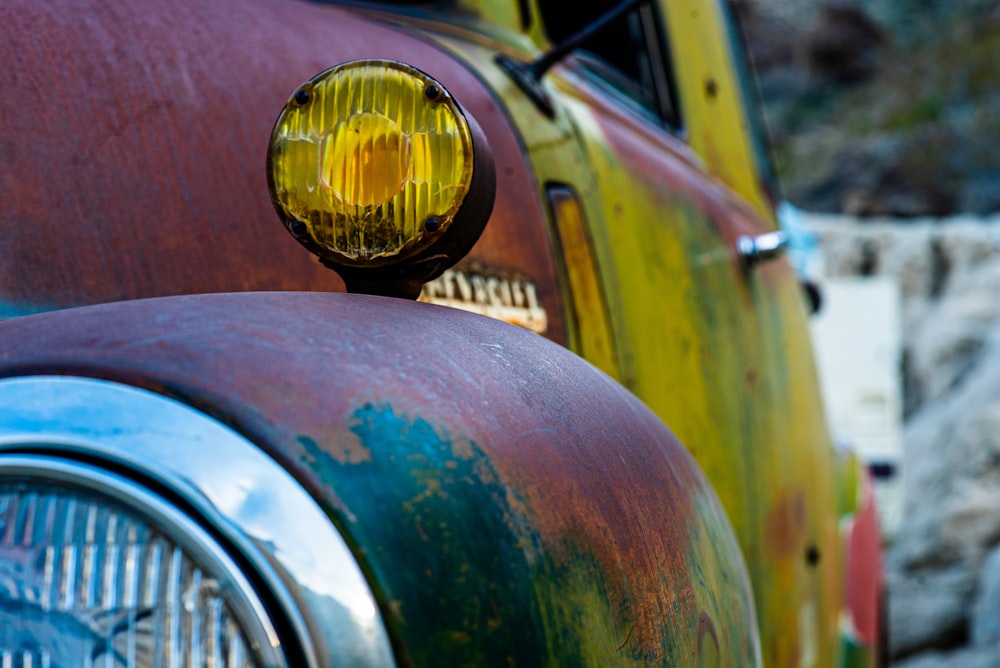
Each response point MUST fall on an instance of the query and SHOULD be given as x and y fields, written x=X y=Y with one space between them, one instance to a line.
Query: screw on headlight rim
x=433 y=92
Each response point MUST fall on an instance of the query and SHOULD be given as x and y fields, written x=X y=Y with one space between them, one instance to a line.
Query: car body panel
x=508 y=502
x=717 y=110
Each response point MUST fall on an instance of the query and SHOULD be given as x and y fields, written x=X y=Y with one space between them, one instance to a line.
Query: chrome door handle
x=762 y=247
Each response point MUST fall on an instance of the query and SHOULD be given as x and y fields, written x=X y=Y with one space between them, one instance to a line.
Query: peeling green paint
x=467 y=575
x=442 y=539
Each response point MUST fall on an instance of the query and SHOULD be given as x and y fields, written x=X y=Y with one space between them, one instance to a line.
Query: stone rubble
x=943 y=564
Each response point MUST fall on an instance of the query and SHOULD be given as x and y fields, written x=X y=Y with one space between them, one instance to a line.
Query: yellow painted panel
x=723 y=357
x=715 y=113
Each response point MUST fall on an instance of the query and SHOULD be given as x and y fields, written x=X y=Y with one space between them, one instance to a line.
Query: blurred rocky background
x=943 y=559
x=881 y=107
x=884 y=117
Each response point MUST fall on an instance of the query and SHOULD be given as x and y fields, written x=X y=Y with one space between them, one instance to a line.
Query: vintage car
x=600 y=442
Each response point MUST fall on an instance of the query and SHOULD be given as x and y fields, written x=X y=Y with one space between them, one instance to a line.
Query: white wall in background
x=858 y=345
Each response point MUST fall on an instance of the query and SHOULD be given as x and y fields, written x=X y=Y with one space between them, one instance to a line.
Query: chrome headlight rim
x=257 y=509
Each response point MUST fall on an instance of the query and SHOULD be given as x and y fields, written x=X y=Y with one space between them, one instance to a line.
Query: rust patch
x=346 y=452
x=632 y=513
x=785 y=525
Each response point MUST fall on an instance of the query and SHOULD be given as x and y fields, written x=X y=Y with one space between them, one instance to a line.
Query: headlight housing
x=98 y=477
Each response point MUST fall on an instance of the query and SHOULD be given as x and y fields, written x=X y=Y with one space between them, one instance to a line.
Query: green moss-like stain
x=440 y=535
x=581 y=627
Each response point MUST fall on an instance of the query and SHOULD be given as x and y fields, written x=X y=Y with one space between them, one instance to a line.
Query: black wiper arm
x=529 y=75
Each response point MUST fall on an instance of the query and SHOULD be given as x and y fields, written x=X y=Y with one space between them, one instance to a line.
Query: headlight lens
x=370 y=161
x=96 y=571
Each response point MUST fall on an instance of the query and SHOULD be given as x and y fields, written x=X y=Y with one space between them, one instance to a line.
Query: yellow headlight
x=369 y=162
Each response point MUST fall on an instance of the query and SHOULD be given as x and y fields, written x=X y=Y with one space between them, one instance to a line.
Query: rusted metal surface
x=510 y=504
x=135 y=134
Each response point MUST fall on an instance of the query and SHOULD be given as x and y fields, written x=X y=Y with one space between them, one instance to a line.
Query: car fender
x=507 y=502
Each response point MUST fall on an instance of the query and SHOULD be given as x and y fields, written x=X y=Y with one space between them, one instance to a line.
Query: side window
x=628 y=54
